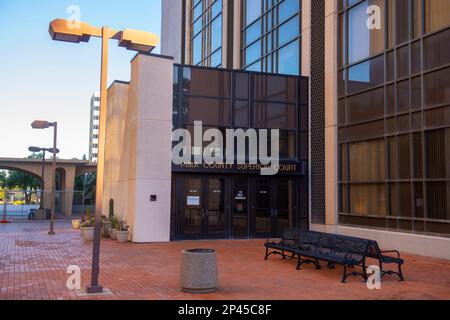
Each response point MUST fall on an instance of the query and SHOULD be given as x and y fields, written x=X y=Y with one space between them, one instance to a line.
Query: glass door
x=274 y=206
x=192 y=208
x=239 y=219
x=216 y=210
x=262 y=208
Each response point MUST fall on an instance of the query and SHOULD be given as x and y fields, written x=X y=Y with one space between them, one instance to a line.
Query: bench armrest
x=391 y=251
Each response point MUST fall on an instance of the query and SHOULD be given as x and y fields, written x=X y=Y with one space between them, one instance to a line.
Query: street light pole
x=95 y=287
x=53 y=197
x=62 y=30
x=5 y=202
x=42 y=180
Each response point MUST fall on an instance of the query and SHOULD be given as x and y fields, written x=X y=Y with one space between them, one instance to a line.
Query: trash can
x=198 y=271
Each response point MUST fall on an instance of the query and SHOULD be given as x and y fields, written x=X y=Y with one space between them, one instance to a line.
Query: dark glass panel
x=403 y=123
x=437 y=154
x=390 y=66
x=417 y=18
x=416 y=93
x=438 y=200
x=404 y=157
x=437 y=88
x=415 y=57
x=437 y=118
x=393 y=203
x=275 y=88
x=262 y=206
x=341 y=112
x=367 y=161
x=363 y=131
x=274 y=116
x=368 y=199
x=436 y=14
x=391 y=23
x=404 y=200
x=403 y=104
x=402 y=20
x=402 y=62
x=213 y=112
x=216 y=206
x=366 y=75
x=343 y=162
x=241 y=114
x=418 y=159
x=365 y=106
x=390 y=99
x=240 y=207
x=206 y=82
x=241 y=86
x=436 y=50
x=416 y=121
x=419 y=201
x=341 y=83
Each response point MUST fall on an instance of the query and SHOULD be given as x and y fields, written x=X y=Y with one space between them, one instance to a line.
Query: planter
x=76 y=223
x=106 y=225
x=112 y=233
x=198 y=271
x=122 y=236
x=87 y=233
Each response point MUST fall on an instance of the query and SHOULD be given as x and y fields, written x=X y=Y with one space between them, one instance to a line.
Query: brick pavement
x=33 y=265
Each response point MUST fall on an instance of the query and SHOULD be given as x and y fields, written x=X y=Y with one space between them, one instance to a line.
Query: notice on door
x=193 y=201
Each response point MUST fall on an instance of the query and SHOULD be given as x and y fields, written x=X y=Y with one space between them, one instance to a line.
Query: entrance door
x=203 y=208
x=274 y=206
x=239 y=214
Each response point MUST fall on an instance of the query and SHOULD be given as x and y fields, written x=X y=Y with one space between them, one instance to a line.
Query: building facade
x=93 y=127
x=378 y=158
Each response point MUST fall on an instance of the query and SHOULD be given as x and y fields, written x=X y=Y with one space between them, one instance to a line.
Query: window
x=206 y=33
x=271 y=36
x=436 y=14
x=363 y=42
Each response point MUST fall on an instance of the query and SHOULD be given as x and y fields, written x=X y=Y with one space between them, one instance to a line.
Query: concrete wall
x=171 y=29
x=138 y=154
x=404 y=242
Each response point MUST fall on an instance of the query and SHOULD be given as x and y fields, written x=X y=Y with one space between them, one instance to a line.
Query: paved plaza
x=33 y=266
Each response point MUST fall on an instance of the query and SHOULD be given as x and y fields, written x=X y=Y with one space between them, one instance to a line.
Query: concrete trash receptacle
x=198 y=271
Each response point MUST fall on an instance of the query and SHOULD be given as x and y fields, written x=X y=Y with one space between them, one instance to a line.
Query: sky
x=41 y=79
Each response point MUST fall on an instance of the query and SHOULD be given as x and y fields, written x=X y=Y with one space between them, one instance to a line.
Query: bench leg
x=354 y=273
x=390 y=272
x=331 y=265
x=308 y=261
x=283 y=255
x=299 y=262
x=267 y=253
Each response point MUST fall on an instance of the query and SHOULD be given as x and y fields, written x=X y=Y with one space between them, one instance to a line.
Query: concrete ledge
x=421 y=245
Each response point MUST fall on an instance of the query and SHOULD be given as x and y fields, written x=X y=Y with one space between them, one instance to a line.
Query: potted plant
x=122 y=230
x=76 y=224
x=106 y=225
x=87 y=230
x=112 y=230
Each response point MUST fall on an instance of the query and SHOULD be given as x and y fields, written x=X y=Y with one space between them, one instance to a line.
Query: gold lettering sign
x=239 y=167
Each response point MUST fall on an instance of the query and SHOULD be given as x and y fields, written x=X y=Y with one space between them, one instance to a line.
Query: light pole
x=5 y=202
x=39 y=124
x=141 y=41
x=43 y=150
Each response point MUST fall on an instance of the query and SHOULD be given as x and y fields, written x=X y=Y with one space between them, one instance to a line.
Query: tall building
x=94 y=125
x=370 y=139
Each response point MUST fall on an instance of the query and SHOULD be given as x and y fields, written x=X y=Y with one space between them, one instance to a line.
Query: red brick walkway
x=33 y=265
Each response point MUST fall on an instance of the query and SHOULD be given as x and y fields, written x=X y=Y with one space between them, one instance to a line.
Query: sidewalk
x=33 y=266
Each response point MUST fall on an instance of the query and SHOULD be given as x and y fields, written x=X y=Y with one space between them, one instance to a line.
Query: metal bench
x=350 y=252
x=384 y=258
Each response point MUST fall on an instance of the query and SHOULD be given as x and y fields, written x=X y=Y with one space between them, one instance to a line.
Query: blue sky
x=50 y=80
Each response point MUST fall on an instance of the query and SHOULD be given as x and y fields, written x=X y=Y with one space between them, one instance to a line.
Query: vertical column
x=331 y=126
x=317 y=157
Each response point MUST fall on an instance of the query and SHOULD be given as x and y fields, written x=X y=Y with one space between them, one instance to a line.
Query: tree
x=87 y=184
x=25 y=182
x=36 y=155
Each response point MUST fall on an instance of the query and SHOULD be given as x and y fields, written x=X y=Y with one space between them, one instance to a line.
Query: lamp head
x=137 y=40
x=39 y=124
x=70 y=31
x=35 y=149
